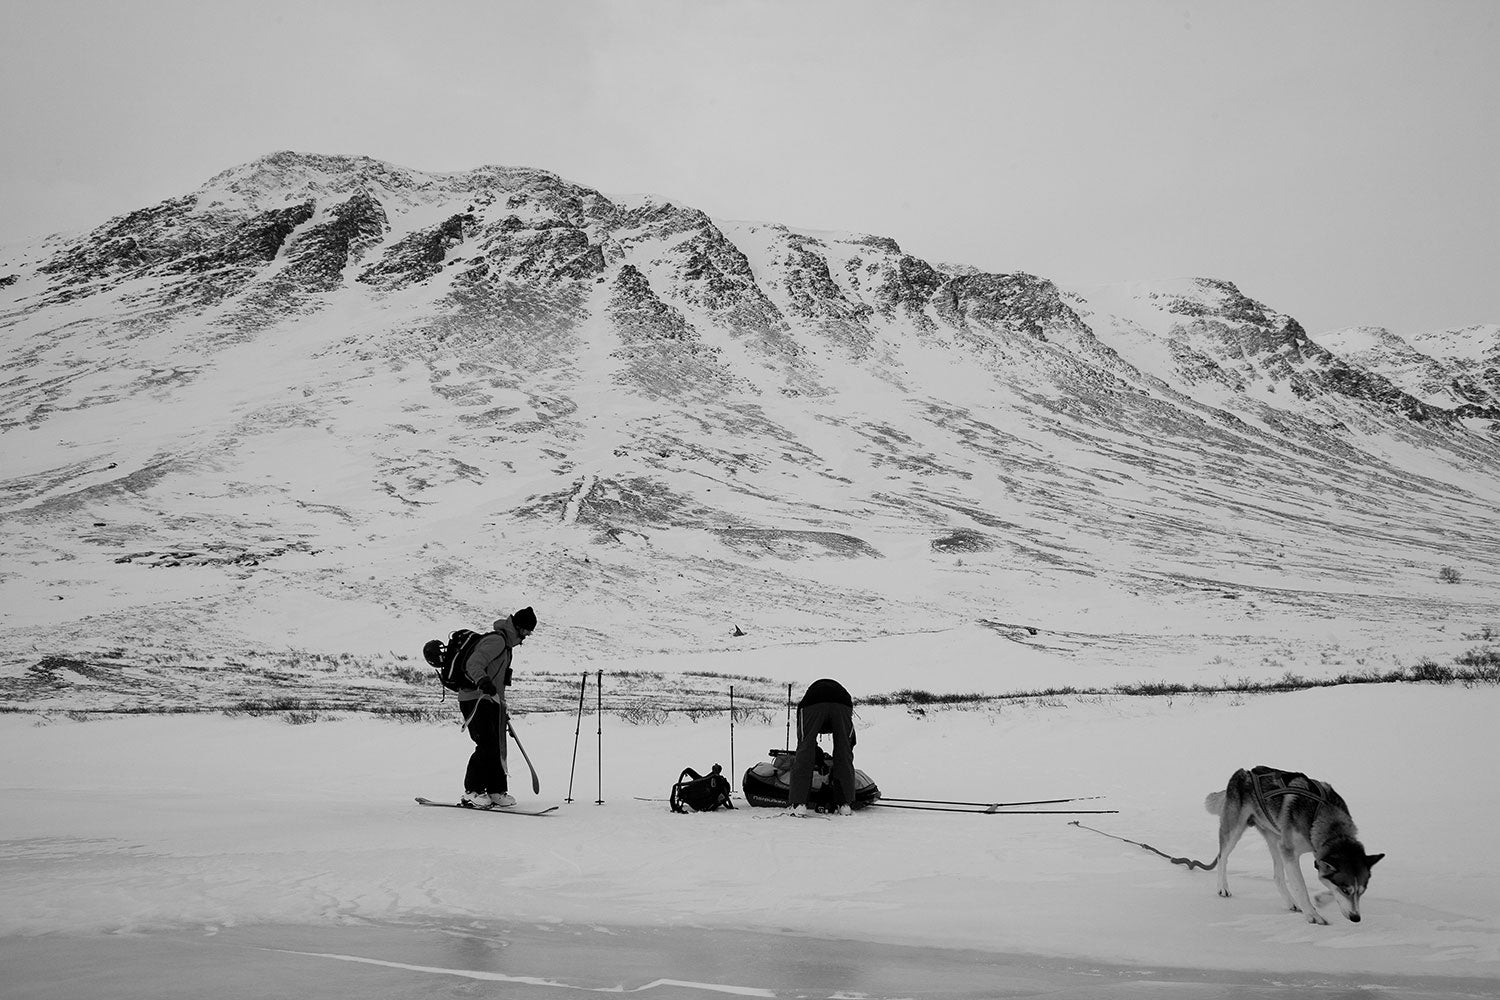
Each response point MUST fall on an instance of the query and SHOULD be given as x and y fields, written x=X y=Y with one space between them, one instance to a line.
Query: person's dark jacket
x=489 y=661
x=826 y=691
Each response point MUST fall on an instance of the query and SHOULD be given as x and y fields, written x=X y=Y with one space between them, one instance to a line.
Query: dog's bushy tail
x=1214 y=803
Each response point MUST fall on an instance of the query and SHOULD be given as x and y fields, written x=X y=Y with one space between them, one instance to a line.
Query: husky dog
x=1296 y=814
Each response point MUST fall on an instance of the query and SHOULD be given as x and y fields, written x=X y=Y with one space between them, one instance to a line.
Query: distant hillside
x=325 y=405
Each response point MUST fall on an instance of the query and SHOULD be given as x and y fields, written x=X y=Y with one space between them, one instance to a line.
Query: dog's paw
x=1225 y=893
x=1316 y=918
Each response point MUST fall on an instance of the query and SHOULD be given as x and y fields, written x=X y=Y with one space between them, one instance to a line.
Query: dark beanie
x=525 y=618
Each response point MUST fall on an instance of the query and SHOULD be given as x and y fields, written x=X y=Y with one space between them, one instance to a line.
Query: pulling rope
x=1189 y=862
x=1265 y=783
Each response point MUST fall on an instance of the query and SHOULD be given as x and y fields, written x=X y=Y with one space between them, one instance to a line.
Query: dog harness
x=1270 y=783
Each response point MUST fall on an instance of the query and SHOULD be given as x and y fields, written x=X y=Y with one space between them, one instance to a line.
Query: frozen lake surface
x=126 y=870
x=530 y=962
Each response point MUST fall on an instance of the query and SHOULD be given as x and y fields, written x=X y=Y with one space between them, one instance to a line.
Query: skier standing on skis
x=483 y=708
x=826 y=707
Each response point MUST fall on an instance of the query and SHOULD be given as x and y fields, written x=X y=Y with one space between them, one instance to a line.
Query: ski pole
x=501 y=724
x=536 y=786
x=576 y=728
x=789 y=717
x=599 y=714
x=731 y=730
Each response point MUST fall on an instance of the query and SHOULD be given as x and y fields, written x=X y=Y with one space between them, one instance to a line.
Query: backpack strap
x=720 y=784
x=724 y=791
x=688 y=774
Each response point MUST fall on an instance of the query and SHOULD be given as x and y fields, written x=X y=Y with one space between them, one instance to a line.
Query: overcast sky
x=1337 y=160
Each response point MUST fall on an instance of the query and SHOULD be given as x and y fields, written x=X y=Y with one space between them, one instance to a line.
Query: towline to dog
x=1189 y=862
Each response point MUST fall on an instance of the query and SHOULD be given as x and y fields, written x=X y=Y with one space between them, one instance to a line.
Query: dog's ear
x=1323 y=867
x=1370 y=859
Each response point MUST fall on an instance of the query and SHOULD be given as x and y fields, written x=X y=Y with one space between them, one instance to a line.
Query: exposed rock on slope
x=426 y=391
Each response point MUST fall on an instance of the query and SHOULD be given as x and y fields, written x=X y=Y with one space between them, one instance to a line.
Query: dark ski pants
x=486 y=771
x=825 y=718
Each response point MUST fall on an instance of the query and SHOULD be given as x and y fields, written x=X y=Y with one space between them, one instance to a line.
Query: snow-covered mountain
x=324 y=407
x=1457 y=370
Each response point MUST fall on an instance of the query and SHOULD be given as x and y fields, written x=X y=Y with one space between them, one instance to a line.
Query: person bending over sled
x=483 y=708
x=825 y=708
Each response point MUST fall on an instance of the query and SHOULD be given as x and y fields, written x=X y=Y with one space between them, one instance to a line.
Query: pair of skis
x=513 y=810
x=992 y=808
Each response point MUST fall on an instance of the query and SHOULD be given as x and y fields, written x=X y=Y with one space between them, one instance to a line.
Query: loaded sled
x=769 y=783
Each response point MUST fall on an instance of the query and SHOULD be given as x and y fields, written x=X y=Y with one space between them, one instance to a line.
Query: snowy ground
x=136 y=836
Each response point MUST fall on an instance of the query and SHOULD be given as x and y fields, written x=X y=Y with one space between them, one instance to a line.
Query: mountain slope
x=1462 y=373
x=328 y=405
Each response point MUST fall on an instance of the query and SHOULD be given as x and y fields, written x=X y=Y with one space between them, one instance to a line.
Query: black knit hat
x=525 y=619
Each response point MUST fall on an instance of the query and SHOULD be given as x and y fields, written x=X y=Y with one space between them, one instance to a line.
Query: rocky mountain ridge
x=1461 y=374
x=424 y=396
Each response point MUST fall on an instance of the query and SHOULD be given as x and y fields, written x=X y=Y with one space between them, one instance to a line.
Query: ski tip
x=521 y=810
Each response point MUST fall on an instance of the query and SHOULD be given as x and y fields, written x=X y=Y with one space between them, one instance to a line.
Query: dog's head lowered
x=1347 y=873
